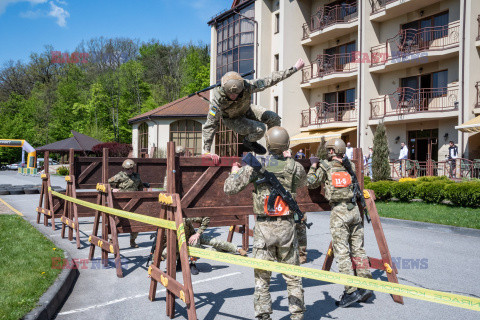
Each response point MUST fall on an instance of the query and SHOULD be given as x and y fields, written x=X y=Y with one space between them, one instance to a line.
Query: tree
x=322 y=151
x=380 y=158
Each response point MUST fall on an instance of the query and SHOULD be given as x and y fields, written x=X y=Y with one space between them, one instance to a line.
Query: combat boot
x=133 y=244
x=348 y=299
x=254 y=146
x=364 y=294
x=193 y=269
x=242 y=252
x=264 y=316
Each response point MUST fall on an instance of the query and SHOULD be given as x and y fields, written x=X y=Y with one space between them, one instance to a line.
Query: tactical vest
x=338 y=184
x=284 y=170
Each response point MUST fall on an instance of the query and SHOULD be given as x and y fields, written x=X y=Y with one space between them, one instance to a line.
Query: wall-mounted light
x=422 y=12
x=420 y=69
x=397 y=139
x=338 y=86
x=445 y=136
x=338 y=41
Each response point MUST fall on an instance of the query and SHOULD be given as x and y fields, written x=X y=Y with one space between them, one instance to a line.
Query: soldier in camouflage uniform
x=274 y=236
x=197 y=239
x=127 y=180
x=346 y=224
x=231 y=102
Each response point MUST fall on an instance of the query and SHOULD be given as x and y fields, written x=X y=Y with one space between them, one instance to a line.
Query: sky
x=27 y=26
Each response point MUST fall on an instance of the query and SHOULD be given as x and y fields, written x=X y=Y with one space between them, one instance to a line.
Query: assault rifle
x=154 y=245
x=218 y=84
x=357 y=192
x=276 y=189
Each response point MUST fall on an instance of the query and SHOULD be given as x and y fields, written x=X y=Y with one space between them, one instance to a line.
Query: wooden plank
x=101 y=243
x=168 y=282
x=198 y=186
x=87 y=171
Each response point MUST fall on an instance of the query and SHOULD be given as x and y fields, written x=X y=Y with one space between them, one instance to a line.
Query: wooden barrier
x=45 y=204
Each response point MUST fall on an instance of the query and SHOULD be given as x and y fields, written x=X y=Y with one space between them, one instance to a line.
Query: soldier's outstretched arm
x=114 y=181
x=237 y=181
x=277 y=76
x=204 y=222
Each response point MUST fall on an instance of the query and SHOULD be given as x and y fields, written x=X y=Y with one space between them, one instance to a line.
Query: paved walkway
x=429 y=256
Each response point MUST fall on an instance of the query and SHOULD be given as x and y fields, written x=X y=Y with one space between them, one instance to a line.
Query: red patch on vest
x=341 y=179
x=281 y=208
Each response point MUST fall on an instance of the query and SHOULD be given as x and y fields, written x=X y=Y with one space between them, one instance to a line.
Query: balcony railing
x=454 y=169
x=379 y=5
x=326 y=64
x=477 y=85
x=478 y=35
x=412 y=41
x=410 y=101
x=324 y=112
x=329 y=16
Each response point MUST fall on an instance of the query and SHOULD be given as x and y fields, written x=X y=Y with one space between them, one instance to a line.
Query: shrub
x=366 y=179
x=431 y=192
x=463 y=194
x=382 y=189
x=380 y=157
x=434 y=179
x=115 y=149
x=404 y=191
x=407 y=180
x=63 y=171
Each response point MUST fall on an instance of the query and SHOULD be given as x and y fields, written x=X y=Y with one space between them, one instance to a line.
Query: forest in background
x=42 y=100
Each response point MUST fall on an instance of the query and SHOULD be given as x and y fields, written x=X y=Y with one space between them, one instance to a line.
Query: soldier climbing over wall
x=232 y=103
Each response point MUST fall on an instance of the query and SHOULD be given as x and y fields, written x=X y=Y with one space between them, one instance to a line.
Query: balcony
x=412 y=47
x=476 y=109
x=477 y=43
x=330 y=22
x=409 y=103
x=383 y=10
x=330 y=68
x=324 y=113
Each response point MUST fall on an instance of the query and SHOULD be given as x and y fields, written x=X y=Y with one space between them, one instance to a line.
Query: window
x=235 y=43
x=187 y=133
x=431 y=28
x=277 y=23
x=276 y=62
x=143 y=139
x=275 y=104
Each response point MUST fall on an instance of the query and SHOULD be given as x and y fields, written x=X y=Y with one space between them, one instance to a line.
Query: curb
x=51 y=301
x=432 y=226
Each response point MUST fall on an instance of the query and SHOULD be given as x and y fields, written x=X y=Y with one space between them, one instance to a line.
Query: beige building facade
x=411 y=64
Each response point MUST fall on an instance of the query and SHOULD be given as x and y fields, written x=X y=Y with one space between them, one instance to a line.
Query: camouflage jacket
x=190 y=230
x=323 y=174
x=124 y=182
x=223 y=107
x=290 y=173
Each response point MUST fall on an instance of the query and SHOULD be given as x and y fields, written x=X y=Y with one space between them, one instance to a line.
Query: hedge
x=431 y=192
x=463 y=194
x=382 y=189
x=63 y=171
x=404 y=191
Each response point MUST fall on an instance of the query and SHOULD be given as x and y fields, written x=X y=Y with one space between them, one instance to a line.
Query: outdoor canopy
x=316 y=136
x=79 y=142
x=472 y=126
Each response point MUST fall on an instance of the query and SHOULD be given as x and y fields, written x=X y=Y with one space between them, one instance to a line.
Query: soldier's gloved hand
x=236 y=167
x=115 y=190
x=314 y=161
x=194 y=239
x=215 y=158
x=299 y=64
x=287 y=154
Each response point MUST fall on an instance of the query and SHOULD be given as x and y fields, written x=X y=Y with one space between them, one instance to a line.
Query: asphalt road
x=429 y=256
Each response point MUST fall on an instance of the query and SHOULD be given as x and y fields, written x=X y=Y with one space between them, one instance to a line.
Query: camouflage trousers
x=302 y=238
x=215 y=242
x=347 y=240
x=276 y=240
x=252 y=125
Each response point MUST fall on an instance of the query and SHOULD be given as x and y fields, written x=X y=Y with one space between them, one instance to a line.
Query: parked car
x=14 y=166
x=40 y=162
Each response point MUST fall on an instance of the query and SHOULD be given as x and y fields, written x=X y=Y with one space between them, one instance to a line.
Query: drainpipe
x=462 y=94
x=359 y=80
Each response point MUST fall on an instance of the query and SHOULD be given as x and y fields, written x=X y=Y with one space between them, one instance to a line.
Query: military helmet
x=337 y=145
x=232 y=82
x=128 y=164
x=277 y=140
x=179 y=149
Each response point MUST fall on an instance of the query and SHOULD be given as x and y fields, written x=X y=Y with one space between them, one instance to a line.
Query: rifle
x=357 y=192
x=218 y=84
x=154 y=245
x=276 y=189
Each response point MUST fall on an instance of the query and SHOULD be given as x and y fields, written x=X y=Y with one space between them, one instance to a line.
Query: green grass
x=25 y=266
x=433 y=213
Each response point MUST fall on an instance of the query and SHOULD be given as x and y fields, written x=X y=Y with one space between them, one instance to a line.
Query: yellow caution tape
x=343 y=279
x=164 y=281
x=182 y=295
x=164 y=199
x=366 y=194
x=181 y=235
x=120 y=213
x=387 y=268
